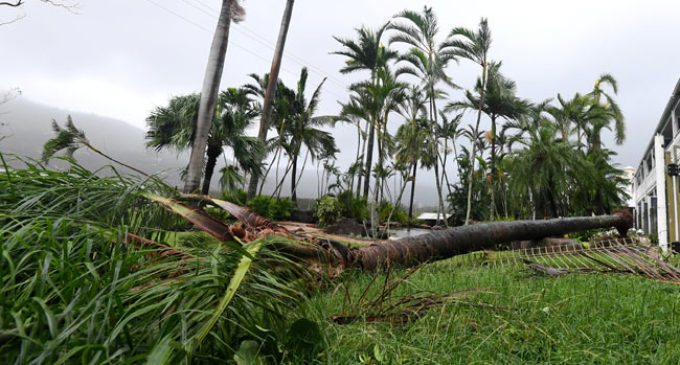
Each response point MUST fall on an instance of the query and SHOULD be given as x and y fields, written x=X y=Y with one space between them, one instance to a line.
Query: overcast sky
x=121 y=58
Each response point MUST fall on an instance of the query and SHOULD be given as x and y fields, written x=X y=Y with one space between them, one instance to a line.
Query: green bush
x=282 y=208
x=328 y=210
x=398 y=216
x=270 y=208
x=239 y=196
x=353 y=206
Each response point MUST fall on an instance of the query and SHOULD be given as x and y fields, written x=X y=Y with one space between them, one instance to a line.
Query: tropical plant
x=85 y=276
x=301 y=128
x=474 y=46
x=70 y=139
x=270 y=94
x=367 y=53
x=499 y=102
x=231 y=11
x=427 y=60
x=173 y=126
x=411 y=134
x=328 y=210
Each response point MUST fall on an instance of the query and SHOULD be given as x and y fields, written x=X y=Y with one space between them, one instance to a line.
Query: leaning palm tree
x=174 y=127
x=231 y=10
x=270 y=94
x=70 y=139
x=474 y=46
x=427 y=60
x=366 y=54
x=612 y=109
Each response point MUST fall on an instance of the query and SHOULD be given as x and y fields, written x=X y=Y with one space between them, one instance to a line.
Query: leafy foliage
x=76 y=286
x=270 y=208
x=328 y=210
x=352 y=206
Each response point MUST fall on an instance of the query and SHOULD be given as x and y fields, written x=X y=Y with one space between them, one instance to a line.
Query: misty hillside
x=26 y=126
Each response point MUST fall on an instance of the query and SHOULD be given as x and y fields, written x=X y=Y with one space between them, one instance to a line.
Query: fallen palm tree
x=408 y=251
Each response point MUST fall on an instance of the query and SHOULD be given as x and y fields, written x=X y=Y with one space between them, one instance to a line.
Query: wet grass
x=521 y=318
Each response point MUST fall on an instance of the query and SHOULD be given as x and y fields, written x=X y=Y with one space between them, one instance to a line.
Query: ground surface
x=520 y=318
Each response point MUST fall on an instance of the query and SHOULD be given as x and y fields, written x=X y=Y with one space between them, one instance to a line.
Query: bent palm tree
x=270 y=94
x=70 y=139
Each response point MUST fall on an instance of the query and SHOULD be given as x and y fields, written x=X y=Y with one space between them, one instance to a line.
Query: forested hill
x=26 y=126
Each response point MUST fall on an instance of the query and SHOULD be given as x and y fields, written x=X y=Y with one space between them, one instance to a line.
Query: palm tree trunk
x=433 y=117
x=271 y=164
x=271 y=86
x=474 y=147
x=96 y=150
x=214 y=151
x=293 y=195
x=413 y=189
x=302 y=170
x=492 y=205
x=361 y=165
x=439 y=245
x=369 y=160
x=396 y=203
x=211 y=86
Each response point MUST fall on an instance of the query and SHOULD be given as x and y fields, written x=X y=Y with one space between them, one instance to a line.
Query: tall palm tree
x=383 y=98
x=174 y=126
x=354 y=112
x=231 y=10
x=540 y=168
x=427 y=60
x=282 y=106
x=272 y=84
x=500 y=101
x=368 y=54
x=449 y=129
x=613 y=112
x=411 y=134
x=301 y=129
x=474 y=46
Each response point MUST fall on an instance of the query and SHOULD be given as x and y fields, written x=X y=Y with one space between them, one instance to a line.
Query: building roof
x=675 y=96
x=431 y=216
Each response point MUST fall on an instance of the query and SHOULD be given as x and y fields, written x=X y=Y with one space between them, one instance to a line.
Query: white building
x=655 y=194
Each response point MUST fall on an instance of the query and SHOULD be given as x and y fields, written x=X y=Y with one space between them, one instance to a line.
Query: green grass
x=521 y=319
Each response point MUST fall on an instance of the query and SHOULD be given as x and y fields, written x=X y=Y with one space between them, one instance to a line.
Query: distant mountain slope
x=26 y=126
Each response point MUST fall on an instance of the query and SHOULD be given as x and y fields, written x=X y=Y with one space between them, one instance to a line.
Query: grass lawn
x=520 y=318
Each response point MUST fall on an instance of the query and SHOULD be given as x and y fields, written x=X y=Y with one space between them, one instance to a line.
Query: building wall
x=649 y=188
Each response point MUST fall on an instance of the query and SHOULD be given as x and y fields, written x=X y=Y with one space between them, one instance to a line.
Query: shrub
x=282 y=208
x=353 y=206
x=271 y=208
x=239 y=196
x=328 y=210
x=397 y=216
x=261 y=205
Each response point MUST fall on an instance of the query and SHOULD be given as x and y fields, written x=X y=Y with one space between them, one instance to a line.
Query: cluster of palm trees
x=541 y=159
x=546 y=160
x=174 y=126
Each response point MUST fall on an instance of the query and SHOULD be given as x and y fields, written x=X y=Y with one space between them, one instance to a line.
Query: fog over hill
x=26 y=126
